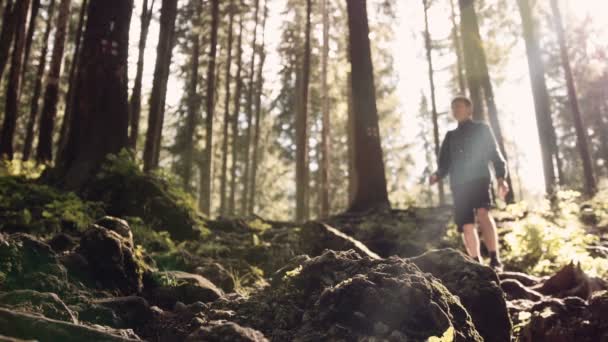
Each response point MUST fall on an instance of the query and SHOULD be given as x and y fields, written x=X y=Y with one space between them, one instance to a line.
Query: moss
x=30 y=207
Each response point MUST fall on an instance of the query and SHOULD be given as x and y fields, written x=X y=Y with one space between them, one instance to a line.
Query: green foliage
x=550 y=237
x=28 y=206
x=17 y=167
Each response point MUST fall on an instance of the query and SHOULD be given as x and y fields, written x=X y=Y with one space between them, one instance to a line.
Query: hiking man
x=465 y=155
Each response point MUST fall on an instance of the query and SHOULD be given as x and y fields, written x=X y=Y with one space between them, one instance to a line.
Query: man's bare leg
x=489 y=234
x=471 y=241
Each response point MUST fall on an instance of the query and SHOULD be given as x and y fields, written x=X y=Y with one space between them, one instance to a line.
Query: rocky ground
x=129 y=259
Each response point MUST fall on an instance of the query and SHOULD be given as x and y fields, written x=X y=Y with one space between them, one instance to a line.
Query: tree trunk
x=234 y=121
x=44 y=153
x=249 y=104
x=325 y=132
x=350 y=141
x=12 y=89
x=226 y=123
x=69 y=100
x=581 y=132
x=468 y=24
x=429 y=57
x=193 y=98
x=205 y=199
x=135 y=104
x=100 y=119
x=302 y=168
x=542 y=102
x=30 y=37
x=164 y=54
x=458 y=48
x=258 y=115
x=7 y=33
x=31 y=121
x=371 y=192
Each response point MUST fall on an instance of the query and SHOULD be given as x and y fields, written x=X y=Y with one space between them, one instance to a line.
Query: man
x=465 y=155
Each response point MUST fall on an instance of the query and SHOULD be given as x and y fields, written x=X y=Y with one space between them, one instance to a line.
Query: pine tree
x=325 y=131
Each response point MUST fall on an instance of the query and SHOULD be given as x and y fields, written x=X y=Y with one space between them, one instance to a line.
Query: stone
x=221 y=331
x=117 y=225
x=46 y=304
x=189 y=288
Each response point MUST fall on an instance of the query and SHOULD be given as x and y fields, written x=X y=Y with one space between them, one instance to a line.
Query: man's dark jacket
x=466 y=154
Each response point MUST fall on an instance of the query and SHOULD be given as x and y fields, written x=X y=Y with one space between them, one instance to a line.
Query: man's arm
x=496 y=157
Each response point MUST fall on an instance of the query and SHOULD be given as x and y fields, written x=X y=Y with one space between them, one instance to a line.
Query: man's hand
x=503 y=188
x=434 y=179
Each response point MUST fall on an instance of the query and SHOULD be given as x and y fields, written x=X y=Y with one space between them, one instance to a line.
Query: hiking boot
x=496 y=265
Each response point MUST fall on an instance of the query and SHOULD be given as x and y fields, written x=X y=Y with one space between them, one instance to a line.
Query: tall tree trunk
x=205 y=198
x=226 y=123
x=258 y=114
x=12 y=89
x=542 y=102
x=7 y=33
x=350 y=141
x=429 y=57
x=31 y=121
x=302 y=168
x=371 y=192
x=44 y=153
x=100 y=119
x=325 y=131
x=581 y=132
x=234 y=120
x=249 y=104
x=69 y=99
x=30 y=37
x=458 y=48
x=135 y=104
x=470 y=37
x=193 y=97
x=164 y=54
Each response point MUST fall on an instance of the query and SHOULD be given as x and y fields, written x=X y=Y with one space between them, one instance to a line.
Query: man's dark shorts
x=468 y=197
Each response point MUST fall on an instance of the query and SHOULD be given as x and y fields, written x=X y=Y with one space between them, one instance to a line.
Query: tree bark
x=302 y=167
x=12 y=89
x=44 y=152
x=35 y=7
x=581 y=132
x=429 y=57
x=31 y=121
x=135 y=104
x=100 y=119
x=234 y=120
x=469 y=34
x=350 y=141
x=69 y=99
x=258 y=115
x=205 y=198
x=542 y=102
x=7 y=33
x=249 y=104
x=325 y=132
x=193 y=98
x=371 y=192
x=226 y=123
x=164 y=54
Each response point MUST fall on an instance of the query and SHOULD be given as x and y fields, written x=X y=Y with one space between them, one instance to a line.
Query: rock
x=571 y=280
x=111 y=260
x=28 y=263
x=222 y=331
x=476 y=285
x=316 y=237
x=10 y=339
x=46 y=304
x=62 y=242
x=188 y=288
x=27 y=326
x=344 y=296
x=134 y=311
x=117 y=225
x=217 y=274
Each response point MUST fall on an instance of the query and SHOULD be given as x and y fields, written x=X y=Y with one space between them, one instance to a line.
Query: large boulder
x=185 y=288
x=111 y=261
x=344 y=296
x=476 y=285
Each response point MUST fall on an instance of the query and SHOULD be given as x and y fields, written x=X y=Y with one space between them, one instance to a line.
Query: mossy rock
x=46 y=304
